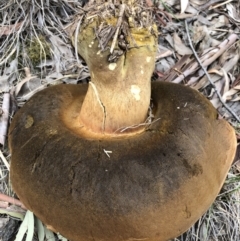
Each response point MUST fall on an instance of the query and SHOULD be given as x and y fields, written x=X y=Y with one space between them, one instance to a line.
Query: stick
x=76 y=39
x=12 y=200
x=4 y=161
x=208 y=4
x=119 y=22
x=4 y=118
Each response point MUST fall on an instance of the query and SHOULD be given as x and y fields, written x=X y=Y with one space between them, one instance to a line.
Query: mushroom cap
x=152 y=186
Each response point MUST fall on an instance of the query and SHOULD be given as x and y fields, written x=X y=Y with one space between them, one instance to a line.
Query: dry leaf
x=9 y=29
x=183 y=15
x=237 y=87
x=226 y=83
x=21 y=83
x=8 y=76
x=201 y=37
x=27 y=226
x=3 y=222
x=233 y=12
x=204 y=20
x=164 y=54
x=184 y=4
x=149 y=3
x=163 y=66
x=215 y=71
x=220 y=4
x=236 y=99
x=198 y=2
x=233 y=61
x=170 y=40
x=179 y=46
x=4 y=84
x=63 y=55
x=216 y=102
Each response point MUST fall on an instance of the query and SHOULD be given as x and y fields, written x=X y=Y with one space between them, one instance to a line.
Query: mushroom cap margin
x=154 y=186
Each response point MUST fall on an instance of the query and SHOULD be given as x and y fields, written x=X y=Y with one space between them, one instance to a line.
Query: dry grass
x=35 y=52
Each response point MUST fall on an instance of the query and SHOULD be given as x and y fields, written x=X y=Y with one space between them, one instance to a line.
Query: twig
x=220 y=4
x=43 y=86
x=3 y=204
x=4 y=118
x=76 y=39
x=20 y=84
x=119 y=22
x=12 y=200
x=137 y=125
x=208 y=4
x=107 y=153
x=208 y=76
x=4 y=161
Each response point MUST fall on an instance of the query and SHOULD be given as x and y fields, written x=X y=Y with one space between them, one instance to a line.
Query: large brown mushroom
x=100 y=161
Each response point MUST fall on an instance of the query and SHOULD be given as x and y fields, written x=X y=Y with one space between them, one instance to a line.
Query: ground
x=36 y=52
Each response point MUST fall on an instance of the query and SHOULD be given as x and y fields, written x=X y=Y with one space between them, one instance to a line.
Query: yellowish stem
x=119 y=93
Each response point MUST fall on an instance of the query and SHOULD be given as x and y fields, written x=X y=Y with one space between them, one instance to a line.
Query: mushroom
x=100 y=161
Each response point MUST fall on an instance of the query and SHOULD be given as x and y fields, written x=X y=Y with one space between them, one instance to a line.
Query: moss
x=38 y=50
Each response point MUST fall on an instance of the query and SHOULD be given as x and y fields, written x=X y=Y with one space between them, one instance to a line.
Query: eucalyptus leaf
x=49 y=234
x=40 y=229
x=30 y=231
x=61 y=237
x=23 y=228
x=12 y=213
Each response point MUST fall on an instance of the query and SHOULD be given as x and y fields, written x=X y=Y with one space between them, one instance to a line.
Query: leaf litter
x=214 y=26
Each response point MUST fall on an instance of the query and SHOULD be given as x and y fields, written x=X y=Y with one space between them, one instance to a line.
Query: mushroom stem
x=119 y=92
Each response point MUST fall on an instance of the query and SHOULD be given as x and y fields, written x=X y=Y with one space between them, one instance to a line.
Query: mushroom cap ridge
x=154 y=186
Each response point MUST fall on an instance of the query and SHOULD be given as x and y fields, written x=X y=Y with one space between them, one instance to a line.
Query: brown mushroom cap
x=153 y=186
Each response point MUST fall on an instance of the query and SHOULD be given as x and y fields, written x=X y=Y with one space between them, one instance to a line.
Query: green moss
x=38 y=50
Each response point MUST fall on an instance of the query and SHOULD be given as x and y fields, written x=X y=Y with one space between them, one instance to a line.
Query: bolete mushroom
x=100 y=161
